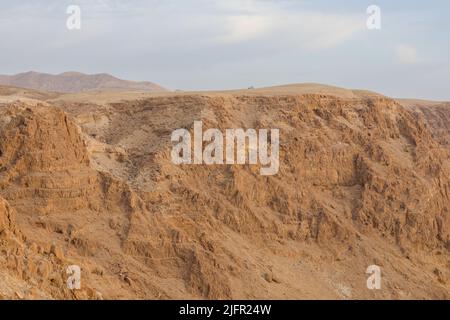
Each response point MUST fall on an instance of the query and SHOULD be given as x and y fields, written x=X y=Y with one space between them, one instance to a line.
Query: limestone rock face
x=362 y=181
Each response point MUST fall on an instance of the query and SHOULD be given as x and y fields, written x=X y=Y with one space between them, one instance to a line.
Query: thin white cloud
x=240 y=28
x=323 y=31
x=406 y=54
x=303 y=29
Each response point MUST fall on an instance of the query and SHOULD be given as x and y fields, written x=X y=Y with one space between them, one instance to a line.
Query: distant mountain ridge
x=75 y=82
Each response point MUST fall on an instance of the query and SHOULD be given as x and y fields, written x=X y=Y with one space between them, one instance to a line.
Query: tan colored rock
x=57 y=251
x=363 y=180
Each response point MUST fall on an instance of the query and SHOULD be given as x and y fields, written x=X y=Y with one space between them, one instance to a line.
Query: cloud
x=323 y=31
x=406 y=54
x=272 y=21
x=240 y=28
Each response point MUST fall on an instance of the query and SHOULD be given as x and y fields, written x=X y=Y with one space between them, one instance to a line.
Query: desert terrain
x=86 y=179
x=75 y=82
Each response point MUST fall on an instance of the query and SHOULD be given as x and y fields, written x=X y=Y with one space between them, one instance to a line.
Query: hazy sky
x=224 y=44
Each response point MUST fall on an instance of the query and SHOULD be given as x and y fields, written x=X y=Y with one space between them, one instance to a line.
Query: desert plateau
x=86 y=179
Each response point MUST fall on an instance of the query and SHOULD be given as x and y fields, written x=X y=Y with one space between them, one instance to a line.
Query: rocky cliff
x=363 y=180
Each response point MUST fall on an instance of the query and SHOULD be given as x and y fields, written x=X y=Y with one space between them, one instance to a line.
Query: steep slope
x=352 y=168
x=75 y=82
x=29 y=270
x=64 y=208
x=362 y=181
x=436 y=115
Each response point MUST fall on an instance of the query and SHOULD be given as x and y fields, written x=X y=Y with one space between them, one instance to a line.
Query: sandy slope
x=87 y=179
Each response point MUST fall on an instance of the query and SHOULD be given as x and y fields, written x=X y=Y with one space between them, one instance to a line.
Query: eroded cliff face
x=362 y=181
x=436 y=116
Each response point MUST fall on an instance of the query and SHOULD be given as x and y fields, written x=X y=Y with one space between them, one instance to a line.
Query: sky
x=228 y=44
